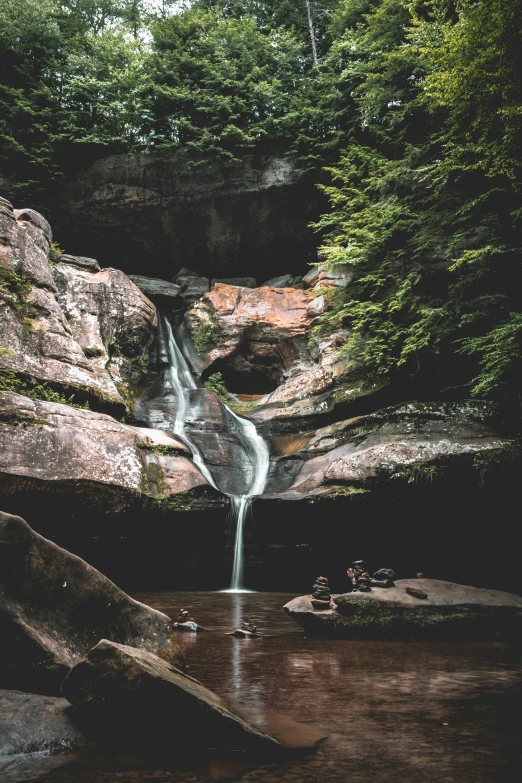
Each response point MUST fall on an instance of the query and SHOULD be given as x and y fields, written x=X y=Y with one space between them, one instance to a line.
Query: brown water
x=391 y=712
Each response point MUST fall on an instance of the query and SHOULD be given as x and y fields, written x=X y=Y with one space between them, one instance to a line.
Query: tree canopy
x=407 y=112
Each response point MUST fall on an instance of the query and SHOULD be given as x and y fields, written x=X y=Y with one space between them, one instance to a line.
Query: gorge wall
x=354 y=470
x=162 y=214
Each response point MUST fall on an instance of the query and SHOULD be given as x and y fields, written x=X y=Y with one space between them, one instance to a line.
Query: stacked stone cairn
x=362 y=581
x=321 y=594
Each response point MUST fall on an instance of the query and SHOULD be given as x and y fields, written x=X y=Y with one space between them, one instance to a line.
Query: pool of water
x=388 y=712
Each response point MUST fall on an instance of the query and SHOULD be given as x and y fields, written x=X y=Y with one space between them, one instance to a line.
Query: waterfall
x=180 y=381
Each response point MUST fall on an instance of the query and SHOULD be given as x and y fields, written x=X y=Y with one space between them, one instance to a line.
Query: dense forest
x=407 y=113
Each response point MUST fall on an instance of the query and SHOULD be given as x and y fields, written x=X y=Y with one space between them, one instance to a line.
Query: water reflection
x=397 y=712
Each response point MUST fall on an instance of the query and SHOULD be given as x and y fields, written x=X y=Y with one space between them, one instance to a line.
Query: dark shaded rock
x=416 y=593
x=193 y=285
x=90 y=264
x=239 y=282
x=226 y=221
x=320 y=605
x=451 y=611
x=31 y=723
x=54 y=607
x=283 y=281
x=135 y=695
x=153 y=286
x=384 y=573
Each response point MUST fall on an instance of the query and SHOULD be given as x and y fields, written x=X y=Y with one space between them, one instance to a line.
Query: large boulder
x=134 y=695
x=54 y=607
x=449 y=611
x=67 y=323
x=32 y=723
x=55 y=448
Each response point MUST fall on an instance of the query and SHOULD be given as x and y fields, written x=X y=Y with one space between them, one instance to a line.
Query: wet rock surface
x=54 y=607
x=449 y=611
x=393 y=443
x=32 y=723
x=140 y=698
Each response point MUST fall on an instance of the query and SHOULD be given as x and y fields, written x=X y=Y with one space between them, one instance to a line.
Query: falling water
x=178 y=379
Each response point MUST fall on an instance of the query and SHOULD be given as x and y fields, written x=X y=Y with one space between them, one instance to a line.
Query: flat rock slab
x=449 y=611
x=32 y=723
x=135 y=696
x=54 y=607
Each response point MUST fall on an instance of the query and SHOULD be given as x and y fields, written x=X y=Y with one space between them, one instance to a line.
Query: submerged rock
x=54 y=607
x=32 y=723
x=449 y=611
x=137 y=697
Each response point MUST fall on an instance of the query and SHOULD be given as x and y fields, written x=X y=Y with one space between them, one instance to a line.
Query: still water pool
x=389 y=712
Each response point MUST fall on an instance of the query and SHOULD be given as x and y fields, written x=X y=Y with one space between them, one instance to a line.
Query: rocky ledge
x=449 y=610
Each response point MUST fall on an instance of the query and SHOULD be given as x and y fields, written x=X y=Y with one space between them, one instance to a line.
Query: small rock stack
x=359 y=576
x=321 y=594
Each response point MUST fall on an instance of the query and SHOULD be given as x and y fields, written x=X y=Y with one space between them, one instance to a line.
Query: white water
x=178 y=379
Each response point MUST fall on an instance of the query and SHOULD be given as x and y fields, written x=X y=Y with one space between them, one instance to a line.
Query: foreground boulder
x=449 y=611
x=135 y=696
x=54 y=607
x=32 y=723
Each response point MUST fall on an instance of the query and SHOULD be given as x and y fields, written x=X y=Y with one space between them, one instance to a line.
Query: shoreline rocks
x=134 y=696
x=449 y=611
x=54 y=607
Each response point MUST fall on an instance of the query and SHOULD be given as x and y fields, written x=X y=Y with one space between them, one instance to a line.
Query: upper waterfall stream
x=178 y=379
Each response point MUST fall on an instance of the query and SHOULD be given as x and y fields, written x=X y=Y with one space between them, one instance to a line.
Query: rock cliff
x=160 y=215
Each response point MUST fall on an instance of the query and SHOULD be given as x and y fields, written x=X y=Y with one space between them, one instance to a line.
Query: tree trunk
x=312 y=33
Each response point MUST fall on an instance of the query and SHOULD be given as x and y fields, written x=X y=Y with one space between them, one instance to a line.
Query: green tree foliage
x=223 y=88
x=409 y=117
x=425 y=200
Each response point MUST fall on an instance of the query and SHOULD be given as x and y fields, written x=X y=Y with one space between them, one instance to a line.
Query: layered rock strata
x=66 y=322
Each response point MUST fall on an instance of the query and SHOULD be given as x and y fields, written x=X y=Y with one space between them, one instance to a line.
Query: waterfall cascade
x=179 y=380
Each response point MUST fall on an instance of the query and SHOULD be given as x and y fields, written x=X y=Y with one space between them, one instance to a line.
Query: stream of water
x=396 y=712
x=179 y=380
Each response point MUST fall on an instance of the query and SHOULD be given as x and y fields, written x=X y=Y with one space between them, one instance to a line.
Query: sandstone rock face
x=260 y=332
x=389 y=443
x=224 y=222
x=77 y=328
x=137 y=695
x=32 y=723
x=54 y=607
x=57 y=448
x=450 y=611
